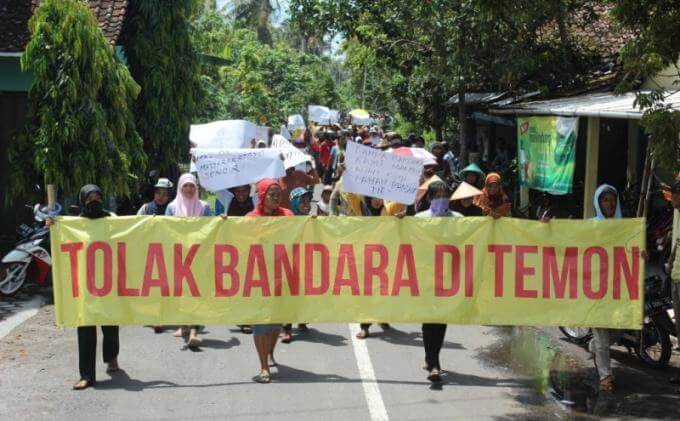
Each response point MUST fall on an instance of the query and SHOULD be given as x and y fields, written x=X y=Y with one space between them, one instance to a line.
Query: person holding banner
x=371 y=206
x=242 y=202
x=463 y=198
x=295 y=178
x=493 y=201
x=265 y=336
x=91 y=200
x=433 y=333
x=161 y=197
x=187 y=204
x=322 y=205
x=301 y=205
x=607 y=206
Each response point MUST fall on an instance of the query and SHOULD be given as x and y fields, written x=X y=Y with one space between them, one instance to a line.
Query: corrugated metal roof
x=602 y=104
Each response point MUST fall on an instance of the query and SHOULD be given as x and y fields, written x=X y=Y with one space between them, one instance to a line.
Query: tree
x=163 y=61
x=440 y=48
x=81 y=127
x=256 y=15
x=653 y=50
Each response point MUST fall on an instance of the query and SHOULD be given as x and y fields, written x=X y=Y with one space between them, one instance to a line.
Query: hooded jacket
x=604 y=188
x=262 y=188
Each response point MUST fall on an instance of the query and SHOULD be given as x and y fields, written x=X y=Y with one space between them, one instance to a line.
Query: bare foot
x=179 y=333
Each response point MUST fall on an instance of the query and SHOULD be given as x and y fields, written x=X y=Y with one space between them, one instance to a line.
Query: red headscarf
x=262 y=188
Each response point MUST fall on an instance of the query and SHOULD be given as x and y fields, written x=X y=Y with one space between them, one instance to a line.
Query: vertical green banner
x=546 y=150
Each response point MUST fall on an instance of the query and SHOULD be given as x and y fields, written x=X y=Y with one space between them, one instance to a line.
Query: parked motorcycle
x=652 y=343
x=30 y=259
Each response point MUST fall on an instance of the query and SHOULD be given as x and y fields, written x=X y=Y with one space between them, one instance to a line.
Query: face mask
x=93 y=209
x=439 y=207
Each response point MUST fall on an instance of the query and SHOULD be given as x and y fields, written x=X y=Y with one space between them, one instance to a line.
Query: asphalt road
x=323 y=374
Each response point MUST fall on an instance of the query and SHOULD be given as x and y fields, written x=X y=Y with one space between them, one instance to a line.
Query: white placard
x=262 y=133
x=220 y=169
x=285 y=133
x=319 y=114
x=292 y=156
x=334 y=116
x=372 y=172
x=296 y=122
x=223 y=134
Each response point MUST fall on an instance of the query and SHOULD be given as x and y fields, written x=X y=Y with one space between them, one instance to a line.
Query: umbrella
x=360 y=117
x=424 y=155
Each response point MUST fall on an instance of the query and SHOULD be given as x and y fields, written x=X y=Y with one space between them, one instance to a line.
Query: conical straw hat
x=423 y=187
x=465 y=191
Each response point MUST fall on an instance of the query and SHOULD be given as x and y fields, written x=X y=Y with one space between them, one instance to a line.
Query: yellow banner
x=163 y=270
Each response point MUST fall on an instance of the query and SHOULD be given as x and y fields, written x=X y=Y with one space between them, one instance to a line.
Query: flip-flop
x=194 y=342
x=82 y=384
x=263 y=378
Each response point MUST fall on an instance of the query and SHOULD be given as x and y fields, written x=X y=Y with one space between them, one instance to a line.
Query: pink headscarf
x=187 y=206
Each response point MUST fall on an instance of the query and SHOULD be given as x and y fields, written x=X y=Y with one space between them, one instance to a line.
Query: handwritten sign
x=223 y=134
x=296 y=122
x=292 y=156
x=220 y=169
x=372 y=172
x=319 y=114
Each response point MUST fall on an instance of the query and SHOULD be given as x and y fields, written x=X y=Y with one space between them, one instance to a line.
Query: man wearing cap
x=374 y=137
x=161 y=197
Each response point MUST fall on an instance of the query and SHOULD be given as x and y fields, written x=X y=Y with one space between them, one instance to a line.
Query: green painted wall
x=12 y=79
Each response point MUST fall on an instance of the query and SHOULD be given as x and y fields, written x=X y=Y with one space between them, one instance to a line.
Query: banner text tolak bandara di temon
x=162 y=270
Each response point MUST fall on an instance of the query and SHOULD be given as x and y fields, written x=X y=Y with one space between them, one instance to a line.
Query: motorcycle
x=30 y=259
x=652 y=343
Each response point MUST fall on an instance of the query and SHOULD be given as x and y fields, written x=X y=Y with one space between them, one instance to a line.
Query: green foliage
x=431 y=50
x=654 y=49
x=81 y=127
x=163 y=61
x=261 y=83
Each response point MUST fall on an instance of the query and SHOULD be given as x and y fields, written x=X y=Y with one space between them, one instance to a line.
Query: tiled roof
x=14 y=16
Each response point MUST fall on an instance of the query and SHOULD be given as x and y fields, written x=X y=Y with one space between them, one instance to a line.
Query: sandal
x=82 y=384
x=607 y=384
x=363 y=334
x=286 y=338
x=194 y=342
x=263 y=378
x=435 y=376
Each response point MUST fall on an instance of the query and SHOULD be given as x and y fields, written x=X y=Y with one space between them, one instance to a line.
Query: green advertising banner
x=546 y=150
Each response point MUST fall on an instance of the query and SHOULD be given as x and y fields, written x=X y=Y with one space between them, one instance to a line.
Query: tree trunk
x=438 y=133
x=462 y=125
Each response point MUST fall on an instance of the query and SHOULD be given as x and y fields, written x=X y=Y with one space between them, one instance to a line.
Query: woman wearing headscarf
x=433 y=333
x=188 y=204
x=91 y=201
x=265 y=335
x=371 y=206
x=493 y=201
x=607 y=206
x=343 y=203
x=301 y=205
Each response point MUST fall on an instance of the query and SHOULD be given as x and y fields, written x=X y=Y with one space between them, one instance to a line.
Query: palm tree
x=256 y=14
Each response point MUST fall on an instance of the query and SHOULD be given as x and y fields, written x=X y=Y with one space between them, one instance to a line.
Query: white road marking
x=28 y=310
x=374 y=400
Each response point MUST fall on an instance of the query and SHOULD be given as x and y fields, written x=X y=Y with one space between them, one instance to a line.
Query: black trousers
x=87 y=349
x=433 y=339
